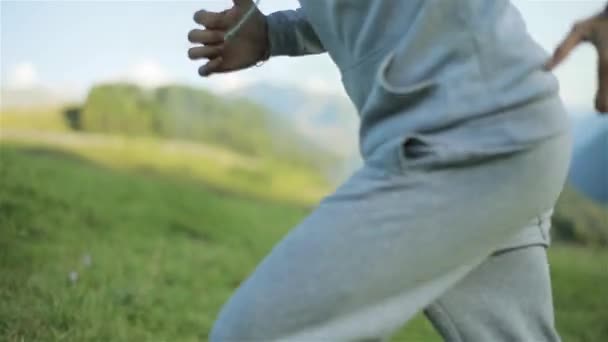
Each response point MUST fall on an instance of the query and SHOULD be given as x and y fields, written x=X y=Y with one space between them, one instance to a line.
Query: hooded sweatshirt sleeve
x=290 y=34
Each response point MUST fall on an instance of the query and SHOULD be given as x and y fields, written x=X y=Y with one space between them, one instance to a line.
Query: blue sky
x=70 y=45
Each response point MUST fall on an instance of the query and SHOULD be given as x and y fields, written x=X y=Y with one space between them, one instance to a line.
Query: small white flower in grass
x=87 y=260
x=73 y=276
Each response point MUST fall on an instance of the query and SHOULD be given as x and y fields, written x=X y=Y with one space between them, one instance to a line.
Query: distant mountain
x=330 y=121
x=589 y=168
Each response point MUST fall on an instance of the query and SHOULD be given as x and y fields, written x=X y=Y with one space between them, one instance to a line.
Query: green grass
x=47 y=119
x=166 y=253
x=215 y=165
x=580 y=280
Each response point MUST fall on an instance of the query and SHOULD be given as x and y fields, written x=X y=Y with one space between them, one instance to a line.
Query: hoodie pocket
x=418 y=150
x=454 y=147
x=394 y=101
x=390 y=105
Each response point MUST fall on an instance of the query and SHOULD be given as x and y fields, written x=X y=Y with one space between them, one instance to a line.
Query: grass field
x=35 y=118
x=89 y=252
x=214 y=165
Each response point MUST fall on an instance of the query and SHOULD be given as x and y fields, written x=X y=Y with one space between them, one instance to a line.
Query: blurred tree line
x=180 y=112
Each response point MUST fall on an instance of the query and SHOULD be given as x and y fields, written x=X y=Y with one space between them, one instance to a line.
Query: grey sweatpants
x=399 y=238
x=506 y=298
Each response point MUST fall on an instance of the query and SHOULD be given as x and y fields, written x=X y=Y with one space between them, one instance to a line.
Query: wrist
x=261 y=42
x=266 y=42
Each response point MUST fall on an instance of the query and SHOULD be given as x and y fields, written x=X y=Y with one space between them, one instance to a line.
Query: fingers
x=207 y=51
x=577 y=35
x=211 y=38
x=206 y=36
x=213 y=66
x=211 y=20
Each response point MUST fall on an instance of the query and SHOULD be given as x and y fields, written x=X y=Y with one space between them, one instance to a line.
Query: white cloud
x=23 y=75
x=149 y=73
x=146 y=73
x=229 y=81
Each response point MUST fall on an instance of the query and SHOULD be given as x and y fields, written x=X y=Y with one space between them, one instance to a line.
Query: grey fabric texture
x=507 y=298
x=387 y=244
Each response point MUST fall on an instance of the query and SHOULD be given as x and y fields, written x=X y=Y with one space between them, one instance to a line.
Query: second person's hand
x=595 y=31
x=246 y=48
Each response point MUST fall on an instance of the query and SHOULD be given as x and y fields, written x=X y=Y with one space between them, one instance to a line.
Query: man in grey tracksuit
x=466 y=148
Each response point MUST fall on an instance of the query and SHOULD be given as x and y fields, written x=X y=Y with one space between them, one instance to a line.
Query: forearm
x=290 y=34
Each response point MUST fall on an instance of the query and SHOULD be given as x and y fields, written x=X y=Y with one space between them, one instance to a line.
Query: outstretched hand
x=246 y=48
x=595 y=31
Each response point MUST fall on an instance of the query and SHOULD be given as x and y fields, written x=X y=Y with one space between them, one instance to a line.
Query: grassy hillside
x=92 y=253
x=47 y=119
x=211 y=164
x=163 y=254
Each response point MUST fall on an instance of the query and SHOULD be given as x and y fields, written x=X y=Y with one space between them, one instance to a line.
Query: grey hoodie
x=457 y=75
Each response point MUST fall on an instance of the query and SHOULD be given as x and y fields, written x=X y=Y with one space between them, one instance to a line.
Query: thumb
x=577 y=35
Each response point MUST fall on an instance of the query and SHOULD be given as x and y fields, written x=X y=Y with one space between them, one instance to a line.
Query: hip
x=501 y=134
